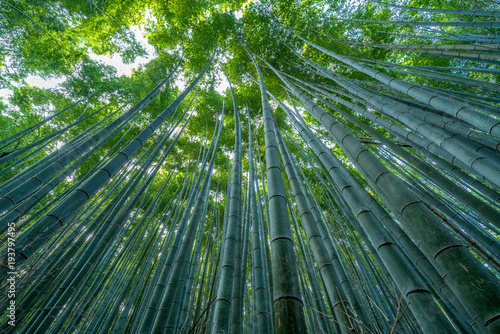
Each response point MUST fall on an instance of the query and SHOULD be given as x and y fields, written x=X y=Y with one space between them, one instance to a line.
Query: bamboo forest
x=249 y=166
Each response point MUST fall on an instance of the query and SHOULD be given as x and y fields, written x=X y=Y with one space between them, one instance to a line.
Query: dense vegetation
x=346 y=181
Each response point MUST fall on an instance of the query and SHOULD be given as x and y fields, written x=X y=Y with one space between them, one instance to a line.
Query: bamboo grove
x=346 y=181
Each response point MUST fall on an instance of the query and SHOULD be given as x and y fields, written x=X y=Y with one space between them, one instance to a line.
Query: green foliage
x=50 y=39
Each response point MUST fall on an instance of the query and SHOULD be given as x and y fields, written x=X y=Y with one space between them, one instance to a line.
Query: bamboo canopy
x=271 y=167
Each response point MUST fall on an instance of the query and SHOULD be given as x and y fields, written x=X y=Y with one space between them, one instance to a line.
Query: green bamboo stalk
x=262 y=302
x=234 y=223
x=326 y=269
x=288 y=306
x=493 y=13
x=415 y=214
x=483 y=122
x=65 y=210
x=166 y=320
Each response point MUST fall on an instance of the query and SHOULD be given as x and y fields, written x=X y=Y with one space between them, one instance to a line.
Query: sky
x=117 y=62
